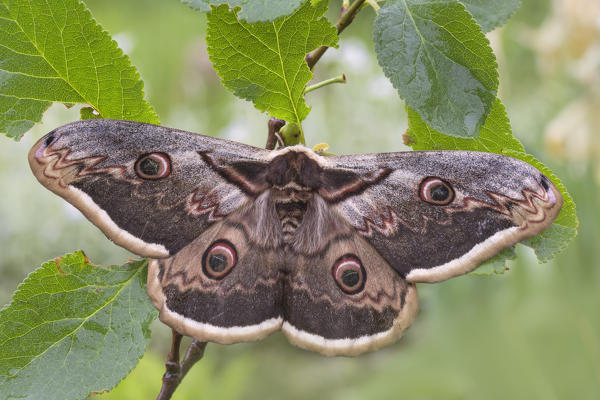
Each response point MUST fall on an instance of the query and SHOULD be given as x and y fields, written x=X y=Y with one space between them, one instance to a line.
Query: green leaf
x=439 y=60
x=264 y=62
x=491 y=14
x=89 y=113
x=496 y=137
x=252 y=10
x=73 y=328
x=497 y=264
x=55 y=51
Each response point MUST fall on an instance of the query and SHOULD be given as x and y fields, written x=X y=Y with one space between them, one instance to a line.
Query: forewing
x=92 y=164
x=497 y=201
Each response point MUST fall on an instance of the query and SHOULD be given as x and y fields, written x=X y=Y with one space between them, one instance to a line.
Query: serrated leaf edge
x=119 y=55
x=86 y=263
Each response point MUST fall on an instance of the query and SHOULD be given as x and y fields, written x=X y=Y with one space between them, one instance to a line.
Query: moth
x=244 y=241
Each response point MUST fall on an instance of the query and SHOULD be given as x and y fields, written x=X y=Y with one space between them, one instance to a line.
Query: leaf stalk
x=337 y=79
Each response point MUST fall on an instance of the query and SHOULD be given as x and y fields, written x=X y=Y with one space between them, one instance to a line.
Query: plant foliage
x=264 y=62
x=251 y=10
x=73 y=327
x=440 y=62
x=56 y=52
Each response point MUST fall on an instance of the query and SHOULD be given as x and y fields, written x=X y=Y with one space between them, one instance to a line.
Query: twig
x=337 y=79
x=345 y=19
x=194 y=353
x=273 y=136
x=176 y=371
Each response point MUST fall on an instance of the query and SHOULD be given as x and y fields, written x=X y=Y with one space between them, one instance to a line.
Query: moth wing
x=199 y=296
x=346 y=300
x=92 y=164
x=494 y=202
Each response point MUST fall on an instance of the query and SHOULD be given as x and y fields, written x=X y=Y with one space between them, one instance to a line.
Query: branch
x=345 y=19
x=273 y=136
x=176 y=371
x=194 y=353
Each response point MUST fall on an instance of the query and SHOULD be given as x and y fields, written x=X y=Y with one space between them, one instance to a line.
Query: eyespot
x=349 y=274
x=153 y=166
x=436 y=191
x=219 y=259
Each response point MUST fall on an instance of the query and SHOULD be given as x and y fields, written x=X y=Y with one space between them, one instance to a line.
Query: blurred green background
x=533 y=333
